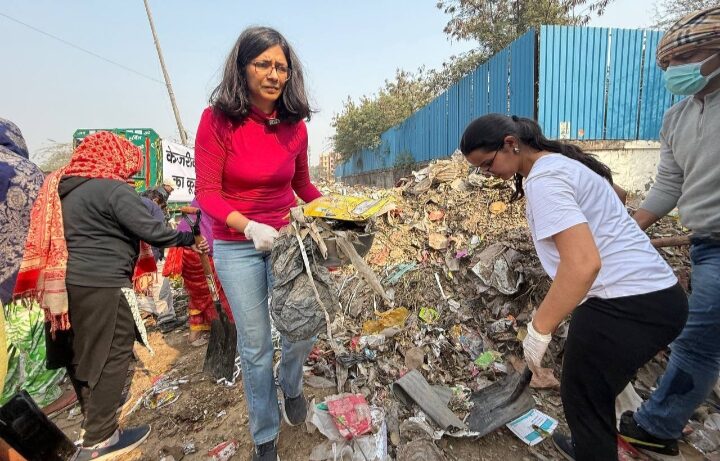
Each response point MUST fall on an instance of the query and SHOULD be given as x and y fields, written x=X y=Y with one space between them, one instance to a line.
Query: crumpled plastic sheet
x=371 y=447
x=295 y=310
x=420 y=450
x=495 y=269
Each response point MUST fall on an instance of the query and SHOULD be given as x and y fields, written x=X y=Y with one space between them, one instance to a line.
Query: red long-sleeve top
x=252 y=168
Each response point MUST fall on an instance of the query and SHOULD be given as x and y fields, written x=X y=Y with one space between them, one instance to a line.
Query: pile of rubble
x=456 y=261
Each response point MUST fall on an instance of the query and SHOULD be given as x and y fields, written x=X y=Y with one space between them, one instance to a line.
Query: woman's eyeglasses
x=487 y=165
x=266 y=67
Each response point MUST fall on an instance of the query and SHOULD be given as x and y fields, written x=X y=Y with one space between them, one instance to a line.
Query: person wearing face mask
x=251 y=161
x=687 y=177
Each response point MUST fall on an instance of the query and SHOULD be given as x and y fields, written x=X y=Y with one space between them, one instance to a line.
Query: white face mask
x=686 y=79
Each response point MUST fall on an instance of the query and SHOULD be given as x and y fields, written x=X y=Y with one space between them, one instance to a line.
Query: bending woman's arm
x=579 y=266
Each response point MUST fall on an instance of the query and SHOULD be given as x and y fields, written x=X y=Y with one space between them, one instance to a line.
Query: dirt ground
x=207 y=414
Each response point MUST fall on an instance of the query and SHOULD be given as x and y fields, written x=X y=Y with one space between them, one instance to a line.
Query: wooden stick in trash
x=676 y=241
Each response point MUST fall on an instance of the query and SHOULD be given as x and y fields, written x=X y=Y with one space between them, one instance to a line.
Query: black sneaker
x=266 y=452
x=294 y=410
x=639 y=438
x=170 y=325
x=564 y=445
x=128 y=440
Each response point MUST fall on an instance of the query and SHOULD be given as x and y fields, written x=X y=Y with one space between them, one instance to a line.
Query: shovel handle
x=188 y=210
x=676 y=241
x=207 y=269
x=204 y=260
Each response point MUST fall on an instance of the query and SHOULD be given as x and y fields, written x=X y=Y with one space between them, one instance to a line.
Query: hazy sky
x=348 y=48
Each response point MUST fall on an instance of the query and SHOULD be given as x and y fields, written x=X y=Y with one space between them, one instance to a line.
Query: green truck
x=149 y=143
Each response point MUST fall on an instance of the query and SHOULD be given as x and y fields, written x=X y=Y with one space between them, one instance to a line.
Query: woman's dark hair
x=153 y=195
x=231 y=97
x=489 y=131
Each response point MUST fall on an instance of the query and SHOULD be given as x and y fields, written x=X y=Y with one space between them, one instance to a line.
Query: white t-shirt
x=562 y=193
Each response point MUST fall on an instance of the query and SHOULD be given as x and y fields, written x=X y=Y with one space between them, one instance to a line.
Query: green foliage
x=492 y=23
x=404 y=160
x=496 y=23
x=54 y=156
x=360 y=124
x=668 y=12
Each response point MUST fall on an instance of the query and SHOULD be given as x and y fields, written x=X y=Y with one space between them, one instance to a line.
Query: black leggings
x=608 y=340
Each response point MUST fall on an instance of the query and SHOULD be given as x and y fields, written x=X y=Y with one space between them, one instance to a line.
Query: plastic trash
x=351 y=414
x=392 y=318
x=486 y=359
x=223 y=451
x=429 y=315
x=533 y=427
x=703 y=439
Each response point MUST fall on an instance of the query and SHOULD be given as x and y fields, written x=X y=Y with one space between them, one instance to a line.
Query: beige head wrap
x=697 y=30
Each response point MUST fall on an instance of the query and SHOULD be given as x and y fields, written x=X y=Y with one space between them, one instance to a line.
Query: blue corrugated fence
x=592 y=84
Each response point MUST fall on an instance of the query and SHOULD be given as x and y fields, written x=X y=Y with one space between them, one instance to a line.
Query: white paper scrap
x=533 y=427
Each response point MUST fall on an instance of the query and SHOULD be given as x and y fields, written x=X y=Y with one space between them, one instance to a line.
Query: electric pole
x=176 y=111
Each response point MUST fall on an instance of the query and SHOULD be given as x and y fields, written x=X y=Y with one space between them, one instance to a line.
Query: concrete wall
x=384 y=179
x=634 y=164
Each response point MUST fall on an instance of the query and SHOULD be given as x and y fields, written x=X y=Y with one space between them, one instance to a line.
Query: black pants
x=608 y=340
x=97 y=355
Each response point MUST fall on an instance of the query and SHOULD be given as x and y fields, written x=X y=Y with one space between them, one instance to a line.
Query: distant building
x=328 y=162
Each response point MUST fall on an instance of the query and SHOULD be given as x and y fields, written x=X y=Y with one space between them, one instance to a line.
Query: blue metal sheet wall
x=498 y=66
x=597 y=83
x=455 y=124
x=624 y=84
x=481 y=99
x=572 y=63
x=654 y=99
x=592 y=84
x=504 y=84
x=522 y=76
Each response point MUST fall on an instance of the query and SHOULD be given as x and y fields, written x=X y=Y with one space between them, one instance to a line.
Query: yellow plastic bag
x=392 y=318
x=346 y=208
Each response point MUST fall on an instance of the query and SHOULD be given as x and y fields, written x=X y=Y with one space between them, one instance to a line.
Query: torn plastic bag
x=495 y=269
x=295 y=310
x=500 y=403
x=420 y=450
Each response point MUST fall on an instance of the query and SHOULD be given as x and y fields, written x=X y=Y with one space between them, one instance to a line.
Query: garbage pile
x=460 y=279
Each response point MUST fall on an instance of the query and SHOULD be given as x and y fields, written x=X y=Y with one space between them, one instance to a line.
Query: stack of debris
x=461 y=279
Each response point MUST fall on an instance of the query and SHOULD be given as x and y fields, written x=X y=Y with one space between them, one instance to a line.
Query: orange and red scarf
x=44 y=265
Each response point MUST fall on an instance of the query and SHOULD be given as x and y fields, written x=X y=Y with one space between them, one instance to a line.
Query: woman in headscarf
x=86 y=245
x=20 y=328
x=20 y=181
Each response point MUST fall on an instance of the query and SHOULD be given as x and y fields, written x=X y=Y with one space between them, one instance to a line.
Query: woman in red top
x=251 y=161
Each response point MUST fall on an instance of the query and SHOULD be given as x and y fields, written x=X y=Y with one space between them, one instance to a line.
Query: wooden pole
x=176 y=111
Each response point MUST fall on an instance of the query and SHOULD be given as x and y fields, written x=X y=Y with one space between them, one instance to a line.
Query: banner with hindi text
x=179 y=167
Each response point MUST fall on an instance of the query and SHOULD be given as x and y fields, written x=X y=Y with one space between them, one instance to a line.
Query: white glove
x=535 y=345
x=262 y=235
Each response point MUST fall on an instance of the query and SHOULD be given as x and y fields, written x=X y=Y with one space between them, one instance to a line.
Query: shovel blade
x=222 y=347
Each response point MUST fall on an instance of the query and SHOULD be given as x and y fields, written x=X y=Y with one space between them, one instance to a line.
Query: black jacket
x=104 y=221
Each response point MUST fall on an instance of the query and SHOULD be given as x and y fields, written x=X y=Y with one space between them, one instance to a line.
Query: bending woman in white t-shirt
x=625 y=300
